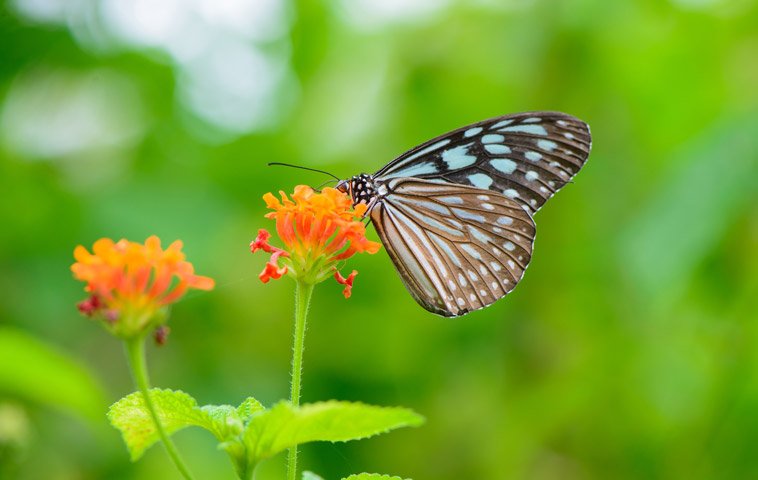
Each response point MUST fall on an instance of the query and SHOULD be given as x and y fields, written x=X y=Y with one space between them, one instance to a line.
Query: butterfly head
x=360 y=188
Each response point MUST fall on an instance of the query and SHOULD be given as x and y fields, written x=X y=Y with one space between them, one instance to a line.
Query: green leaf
x=36 y=371
x=359 y=476
x=224 y=422
x=285 y=426
x=372 y=476
x=248 y=408
x=175 y=409
x=311 y=476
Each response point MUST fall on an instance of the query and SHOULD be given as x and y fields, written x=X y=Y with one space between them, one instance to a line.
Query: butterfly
x=455 y=213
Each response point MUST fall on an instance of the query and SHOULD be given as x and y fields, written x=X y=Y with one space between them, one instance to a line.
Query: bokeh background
x=629 y=349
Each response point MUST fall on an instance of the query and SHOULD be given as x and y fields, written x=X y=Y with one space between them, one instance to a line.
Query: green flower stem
x=135 y=349
x=303 y=292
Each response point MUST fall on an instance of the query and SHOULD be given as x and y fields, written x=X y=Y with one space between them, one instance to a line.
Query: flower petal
x=347 y=282
x=272 y=269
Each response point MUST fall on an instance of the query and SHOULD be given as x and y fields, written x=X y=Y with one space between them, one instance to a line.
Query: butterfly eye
x=343 y=186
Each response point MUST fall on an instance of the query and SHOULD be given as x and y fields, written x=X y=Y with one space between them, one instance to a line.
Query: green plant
x=131 y=286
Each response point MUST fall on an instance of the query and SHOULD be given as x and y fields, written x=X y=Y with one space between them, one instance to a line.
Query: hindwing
x=457 y=248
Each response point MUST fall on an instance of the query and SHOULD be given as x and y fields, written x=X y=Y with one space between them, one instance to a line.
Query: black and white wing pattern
x=457 y=248
x=527 y=156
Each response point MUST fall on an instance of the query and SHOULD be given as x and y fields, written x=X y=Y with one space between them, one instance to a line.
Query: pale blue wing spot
x=455 y=223
x=480 y=180
x=422 y=168
x=472 y=131
x=547 y=145
x=505 y=221
x=425 y=219
x=531 y=175
x=493 y=138
x=467 y=215
x=451 y=200
x=401 y=223
x=458 y=157
x=497 y=149
x=402 y=168
x=504 y=165
x=471 y=251
x=533 y=156
x=479 y=235
x=501 y=123
x=488 y=206
x=532 y=120
x=446 y=248
x=570 y=136
x=509 y=246
x=510 y=193
x=436 y=207
x=533 y=129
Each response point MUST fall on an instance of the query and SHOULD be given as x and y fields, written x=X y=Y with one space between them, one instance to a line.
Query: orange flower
x=347 y=282
x=318 y=231
x=130 y=284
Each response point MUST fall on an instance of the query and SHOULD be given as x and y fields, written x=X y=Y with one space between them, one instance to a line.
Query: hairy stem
x=303 y=292
x=135 y=350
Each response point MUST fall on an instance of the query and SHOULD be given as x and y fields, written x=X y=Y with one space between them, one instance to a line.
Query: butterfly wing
x=527 y=156
x=457 y=248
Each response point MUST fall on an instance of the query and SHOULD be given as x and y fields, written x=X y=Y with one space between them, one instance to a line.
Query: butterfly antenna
x=318 y=189
x=305 y=168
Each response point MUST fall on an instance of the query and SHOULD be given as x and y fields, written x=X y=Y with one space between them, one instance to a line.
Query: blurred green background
x=629 y=349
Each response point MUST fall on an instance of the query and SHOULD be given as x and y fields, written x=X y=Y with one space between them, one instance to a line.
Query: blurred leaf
x=373 y=476
x=311 y=476
x=35 y=371
x=714 y=180
x=15 y=436
x=285 y=426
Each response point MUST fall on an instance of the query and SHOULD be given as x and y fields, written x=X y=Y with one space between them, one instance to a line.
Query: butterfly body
x=455 y=213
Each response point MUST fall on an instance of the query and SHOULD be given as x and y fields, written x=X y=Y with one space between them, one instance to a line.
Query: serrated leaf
x=373 y=476
x=285 y=426
x=248 y=408
x=175 y=410
x=225 y=421
x=311 y=476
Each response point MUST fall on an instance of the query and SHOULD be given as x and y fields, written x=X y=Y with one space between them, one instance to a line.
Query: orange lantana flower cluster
x=130 y=283
x=318 y=231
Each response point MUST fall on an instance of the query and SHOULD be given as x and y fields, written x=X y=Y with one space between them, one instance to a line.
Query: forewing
x=457 y=248
x=527 y=156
